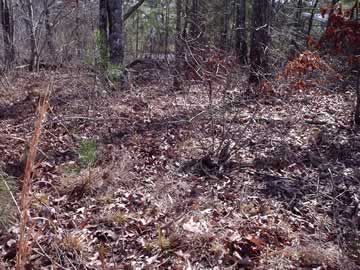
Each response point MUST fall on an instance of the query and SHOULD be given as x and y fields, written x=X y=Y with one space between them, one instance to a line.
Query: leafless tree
x=240 y=34
x=260 y=40
x=7 y=22
x=178 y=47
x=28 y=9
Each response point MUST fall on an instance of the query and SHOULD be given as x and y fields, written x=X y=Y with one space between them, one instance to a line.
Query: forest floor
x=287 y=197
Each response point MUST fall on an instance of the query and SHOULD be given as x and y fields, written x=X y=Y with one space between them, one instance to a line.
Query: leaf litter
x=157 y=195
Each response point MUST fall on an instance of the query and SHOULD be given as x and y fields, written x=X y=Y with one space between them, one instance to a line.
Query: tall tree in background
x=221 y=23
x=298 y=11
x=111 y=31
x=115 y=32
x=28 y=9
x=103 y=30
x=178 y=48
x=167 y=27
x=240 y=33
x=198 y=21
x=79 y=46
x=49 y=36
x=7 y=22
x=111 y=22
x=312 y=17
x=260 y=40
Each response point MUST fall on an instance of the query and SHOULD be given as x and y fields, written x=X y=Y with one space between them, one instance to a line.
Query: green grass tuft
x=87 y=153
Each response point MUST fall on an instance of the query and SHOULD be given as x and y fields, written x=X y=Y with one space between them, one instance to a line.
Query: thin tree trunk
x=224 y=23
x=194 y=27
x=104 y=32
x=178 y=48
x=116 y=32
x=161 y=42
x=312 y=17
x=7 y=21
x=103 y=18
x=198 y=21
x=298 y=12
x=240 y=34
x=49 y=32
x=185 y=30
x=34 y=54
x=167 y=19
x=78 y=30
x=260 y=40
x=137 y=36
x=132 y=9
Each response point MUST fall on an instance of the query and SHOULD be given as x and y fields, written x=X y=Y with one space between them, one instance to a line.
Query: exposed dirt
x=159 y=195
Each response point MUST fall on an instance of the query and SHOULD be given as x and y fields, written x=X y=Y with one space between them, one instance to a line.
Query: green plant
x=102 y=48
x=87 y=153
x=97 y=55
x=114 y=72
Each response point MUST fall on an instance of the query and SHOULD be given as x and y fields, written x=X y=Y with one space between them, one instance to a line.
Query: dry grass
x=25 y=235
x=309 y=256
x=71 y=243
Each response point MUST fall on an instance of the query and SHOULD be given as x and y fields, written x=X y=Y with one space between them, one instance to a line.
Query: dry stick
x=23 y=247
x=211 y=116
x=20 y=139
x=233 y=151
x=12 y=137
x=43 y=253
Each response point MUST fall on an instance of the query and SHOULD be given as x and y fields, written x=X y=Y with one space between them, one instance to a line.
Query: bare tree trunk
x=298 y=12
x=27 y=6
x=7 y=21
x=312 y=17
x=178 y=49
x=49 y=31
x=116 y=32
x=133 y=9
x=34 y=57
x=167 y=22
x=78 y=30
x=187 y=14
x=240 y=35
x=137 y=35
x=103 y=31
x=198 y=21
x=161 y=34
x=103 y=18
x=260 y=40
x=194 y=27
x=224 y=24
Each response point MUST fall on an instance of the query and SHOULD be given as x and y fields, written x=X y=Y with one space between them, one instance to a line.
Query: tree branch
x=132 y=9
